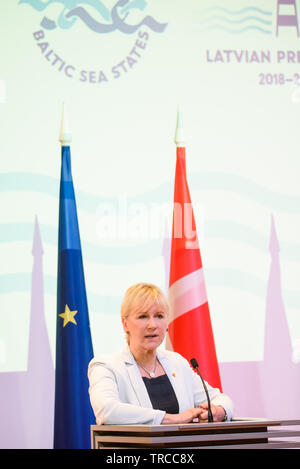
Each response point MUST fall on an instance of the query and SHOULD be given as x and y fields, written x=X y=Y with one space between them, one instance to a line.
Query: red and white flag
x=190 y=330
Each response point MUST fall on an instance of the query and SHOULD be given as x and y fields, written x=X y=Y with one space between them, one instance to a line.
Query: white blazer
x=119 y=396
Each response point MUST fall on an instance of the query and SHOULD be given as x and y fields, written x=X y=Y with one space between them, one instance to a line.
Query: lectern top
x=240 y=422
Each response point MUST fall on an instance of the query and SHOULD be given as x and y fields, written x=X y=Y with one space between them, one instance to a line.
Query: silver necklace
x=150 y=373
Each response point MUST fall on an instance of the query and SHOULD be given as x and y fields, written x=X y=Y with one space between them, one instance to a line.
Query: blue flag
x=73 y=412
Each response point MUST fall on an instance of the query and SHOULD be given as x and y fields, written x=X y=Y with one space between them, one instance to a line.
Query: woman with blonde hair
x=144 y=384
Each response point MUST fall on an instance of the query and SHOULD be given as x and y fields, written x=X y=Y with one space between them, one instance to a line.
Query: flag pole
x=65 y=136
x=179 y=137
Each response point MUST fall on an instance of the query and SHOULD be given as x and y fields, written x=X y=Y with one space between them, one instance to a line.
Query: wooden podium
x=236 y=434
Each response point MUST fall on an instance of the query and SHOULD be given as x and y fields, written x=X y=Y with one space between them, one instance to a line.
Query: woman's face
x=146 y=329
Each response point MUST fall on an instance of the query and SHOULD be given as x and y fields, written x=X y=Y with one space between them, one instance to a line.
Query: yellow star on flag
x=68 y=316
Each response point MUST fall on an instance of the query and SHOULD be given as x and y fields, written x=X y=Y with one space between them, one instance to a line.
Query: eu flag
x=73 y=412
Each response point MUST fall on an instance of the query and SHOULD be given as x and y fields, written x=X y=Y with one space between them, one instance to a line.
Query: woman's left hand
x=217 y=411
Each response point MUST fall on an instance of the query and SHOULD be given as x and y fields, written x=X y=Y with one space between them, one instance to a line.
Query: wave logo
x=112 y=19
x=124 y=16
x=237 y=21
x=253 y=18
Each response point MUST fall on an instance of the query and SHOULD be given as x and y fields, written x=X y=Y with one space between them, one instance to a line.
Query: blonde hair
x=140 y=297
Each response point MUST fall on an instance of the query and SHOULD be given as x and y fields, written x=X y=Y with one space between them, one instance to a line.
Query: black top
x=161 y=393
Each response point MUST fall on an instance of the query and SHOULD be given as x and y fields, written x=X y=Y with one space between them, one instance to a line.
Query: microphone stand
x=194 y=364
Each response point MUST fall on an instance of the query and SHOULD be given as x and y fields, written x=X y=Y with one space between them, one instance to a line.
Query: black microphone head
x=194 y=362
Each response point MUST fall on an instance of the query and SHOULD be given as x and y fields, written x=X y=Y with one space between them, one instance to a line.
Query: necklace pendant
x=152 y=374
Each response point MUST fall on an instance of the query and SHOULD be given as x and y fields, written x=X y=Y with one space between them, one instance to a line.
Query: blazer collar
x=129 y=358
x=171 y=368
x=136 y=380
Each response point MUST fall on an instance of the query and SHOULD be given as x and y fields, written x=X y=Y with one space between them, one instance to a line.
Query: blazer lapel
x=136 y=380
x=173 y=371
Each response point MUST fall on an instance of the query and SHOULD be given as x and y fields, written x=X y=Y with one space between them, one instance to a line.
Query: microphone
x=194 y=364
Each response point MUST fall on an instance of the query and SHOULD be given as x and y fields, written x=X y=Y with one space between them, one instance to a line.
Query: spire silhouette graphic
x=279 y=375
x=277 y=343
x=27 y=398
